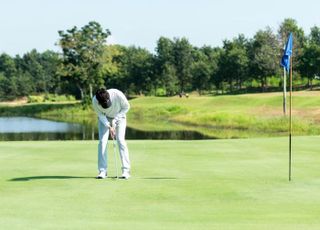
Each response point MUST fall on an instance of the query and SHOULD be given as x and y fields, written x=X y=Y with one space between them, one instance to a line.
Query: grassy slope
x=222 y=184
x=229 y=116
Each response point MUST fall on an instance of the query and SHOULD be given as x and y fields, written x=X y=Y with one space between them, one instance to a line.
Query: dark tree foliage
x=87 y=62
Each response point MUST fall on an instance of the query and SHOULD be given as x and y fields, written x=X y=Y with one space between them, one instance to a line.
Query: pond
x=27 y=128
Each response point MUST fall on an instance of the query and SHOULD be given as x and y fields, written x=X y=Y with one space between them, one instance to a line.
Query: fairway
x=216 y=184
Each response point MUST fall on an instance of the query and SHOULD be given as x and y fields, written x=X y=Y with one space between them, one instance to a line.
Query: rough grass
x=221 y=184
x=249 y=115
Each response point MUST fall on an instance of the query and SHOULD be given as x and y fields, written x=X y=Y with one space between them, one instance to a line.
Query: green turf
x=221 y=184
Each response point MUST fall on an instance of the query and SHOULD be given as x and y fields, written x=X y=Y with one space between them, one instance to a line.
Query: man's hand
x=112 y=131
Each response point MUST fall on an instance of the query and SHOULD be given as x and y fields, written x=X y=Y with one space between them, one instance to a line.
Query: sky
x=34 y=24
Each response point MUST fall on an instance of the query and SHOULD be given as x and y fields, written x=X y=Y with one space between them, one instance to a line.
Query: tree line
x=86 y=63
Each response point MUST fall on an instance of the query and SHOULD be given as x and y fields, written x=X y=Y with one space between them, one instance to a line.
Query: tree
x=212 y=55
x=40 y=70
x=233 y=61
x=7 y=65
x=314 y=36
x=82 y=50
x=139 y=69
x=264 y=56
x=50 y=62
x=165 y=71
x=31 y=63
x=8 y=79
x=114 y=68
x=201 y=71
x=182 y=58
x=130 y=69
x=24 y=84
x=309 y=65
x=3 y=86
x=110 y=61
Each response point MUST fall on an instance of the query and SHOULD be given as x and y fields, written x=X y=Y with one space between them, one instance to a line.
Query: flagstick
x=290 y=119
x=284 y=92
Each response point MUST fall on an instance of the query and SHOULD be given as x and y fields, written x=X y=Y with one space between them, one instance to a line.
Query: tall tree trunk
x=262 y=84
x=181 y=87
x=90 y=90
x=81 y=92
x=266 y=83
x=222 y=88
x=310 y=83
x=239 y=83
x=230 y=85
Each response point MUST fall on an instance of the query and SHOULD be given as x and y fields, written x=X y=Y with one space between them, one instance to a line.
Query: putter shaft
x=115 y=157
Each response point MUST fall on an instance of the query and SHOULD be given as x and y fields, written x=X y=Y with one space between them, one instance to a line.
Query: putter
x=115 y=157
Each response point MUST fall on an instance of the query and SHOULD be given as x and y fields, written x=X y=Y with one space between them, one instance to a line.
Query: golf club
x=115 y=157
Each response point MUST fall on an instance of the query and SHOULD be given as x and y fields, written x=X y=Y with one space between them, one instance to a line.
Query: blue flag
x=285 y=60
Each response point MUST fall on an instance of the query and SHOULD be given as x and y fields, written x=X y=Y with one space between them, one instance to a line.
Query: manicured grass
x=220 y=184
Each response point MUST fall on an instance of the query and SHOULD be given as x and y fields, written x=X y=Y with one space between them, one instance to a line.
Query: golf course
x=160 y=115
x=210 y=184
x=225 y=183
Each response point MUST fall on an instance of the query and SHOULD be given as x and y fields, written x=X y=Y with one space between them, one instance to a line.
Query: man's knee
x=122 y=143
x=103 y=142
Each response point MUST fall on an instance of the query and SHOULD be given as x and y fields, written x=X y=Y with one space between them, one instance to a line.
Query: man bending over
x=111 y=107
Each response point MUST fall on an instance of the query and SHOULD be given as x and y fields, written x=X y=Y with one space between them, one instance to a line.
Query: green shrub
x=274 y=81
x=35 y=98
x=50 y=98
x=161 y=92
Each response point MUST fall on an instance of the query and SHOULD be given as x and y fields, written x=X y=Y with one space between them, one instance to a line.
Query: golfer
x=111 y=107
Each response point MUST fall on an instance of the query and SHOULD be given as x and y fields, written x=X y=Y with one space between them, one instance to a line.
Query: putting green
x=216 y=184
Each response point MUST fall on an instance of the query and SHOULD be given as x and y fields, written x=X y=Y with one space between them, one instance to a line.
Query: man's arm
x=125 y=106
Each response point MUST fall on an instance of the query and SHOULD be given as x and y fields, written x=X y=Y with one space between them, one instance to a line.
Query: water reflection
x=165 y=135
x=25 y=128
x=33 y=125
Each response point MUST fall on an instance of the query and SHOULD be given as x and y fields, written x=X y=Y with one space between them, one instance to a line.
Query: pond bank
x=236 y=116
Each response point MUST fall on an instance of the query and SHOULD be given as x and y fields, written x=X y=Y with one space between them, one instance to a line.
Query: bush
x=58 y=98
x=161 y=92
x=50 y=98
x=86 y=102
x=274 y=81
x=35 y=99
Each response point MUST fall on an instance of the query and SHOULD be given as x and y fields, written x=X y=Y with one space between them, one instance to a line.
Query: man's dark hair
x=103 y=98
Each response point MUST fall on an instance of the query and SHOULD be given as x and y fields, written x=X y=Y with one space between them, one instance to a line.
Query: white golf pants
x=122 y=145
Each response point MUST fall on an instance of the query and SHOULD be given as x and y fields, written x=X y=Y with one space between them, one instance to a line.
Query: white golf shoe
x=125 y=175
x=102 y=175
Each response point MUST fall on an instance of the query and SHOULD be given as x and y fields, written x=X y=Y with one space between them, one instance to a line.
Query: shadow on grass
x=78 y=177
x=48 y=178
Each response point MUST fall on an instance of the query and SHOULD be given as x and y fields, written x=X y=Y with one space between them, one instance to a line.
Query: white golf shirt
x=118 y=109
